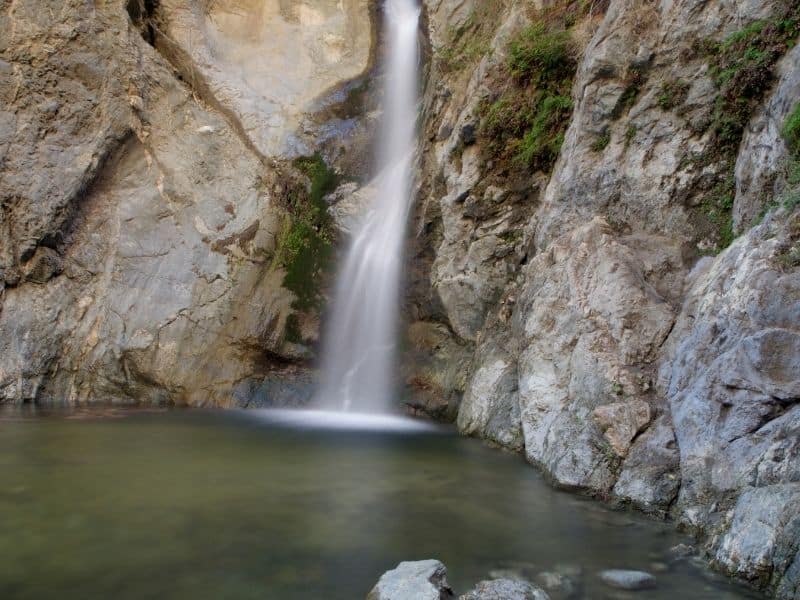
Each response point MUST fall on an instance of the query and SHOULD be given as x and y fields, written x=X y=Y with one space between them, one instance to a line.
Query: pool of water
x=253 y=504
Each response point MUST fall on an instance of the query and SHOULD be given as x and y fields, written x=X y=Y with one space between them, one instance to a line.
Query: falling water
x=358 y=357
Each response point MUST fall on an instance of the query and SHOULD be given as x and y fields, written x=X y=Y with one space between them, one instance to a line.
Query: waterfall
x=359 y=353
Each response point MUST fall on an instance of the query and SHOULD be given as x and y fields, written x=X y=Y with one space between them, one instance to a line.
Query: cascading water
x=359 y=354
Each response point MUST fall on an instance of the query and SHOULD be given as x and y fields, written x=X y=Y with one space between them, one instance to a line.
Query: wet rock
x=682 y=551
x=762 y=538
x=628 y=580
x=563 y=582
x=505 y=589
x=348 y=205
x=435 y=370
x=420 y=580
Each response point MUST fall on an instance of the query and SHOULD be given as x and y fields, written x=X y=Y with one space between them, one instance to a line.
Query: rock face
x=422 y=580
x=619 y=337
x=272 y=62
x=141 y=224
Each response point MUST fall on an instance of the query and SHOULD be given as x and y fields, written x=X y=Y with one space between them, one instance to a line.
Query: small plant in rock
x=471 y=40
x=602 y=142
x=542 y=142
x=791 y=258
x=305 y=246
x=672 y=94
x=635 y=79
x=525 y=124
x=538 y=55
x=718 y=207
x=791 y=131
x=630 y=134
x=742 y=66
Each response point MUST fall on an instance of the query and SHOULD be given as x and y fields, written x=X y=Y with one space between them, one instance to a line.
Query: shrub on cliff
x=525 y=124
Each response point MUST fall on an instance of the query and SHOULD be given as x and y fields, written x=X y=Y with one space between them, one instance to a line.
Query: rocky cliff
x=606 y=256
x=163 y=167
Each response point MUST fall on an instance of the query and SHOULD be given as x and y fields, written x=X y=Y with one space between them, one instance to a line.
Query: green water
x=189 y=504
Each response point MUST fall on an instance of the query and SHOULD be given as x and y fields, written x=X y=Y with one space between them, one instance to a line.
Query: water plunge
x=358 y=356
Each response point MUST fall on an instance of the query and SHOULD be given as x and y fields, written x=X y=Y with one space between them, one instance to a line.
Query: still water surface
x=240 y=505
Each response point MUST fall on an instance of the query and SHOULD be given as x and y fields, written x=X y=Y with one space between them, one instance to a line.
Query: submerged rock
x=419 y=580
x=505 y=589
x=563 y=582
x=628 y=580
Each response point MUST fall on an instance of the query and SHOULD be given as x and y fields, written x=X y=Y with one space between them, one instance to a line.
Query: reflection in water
x=242 y=505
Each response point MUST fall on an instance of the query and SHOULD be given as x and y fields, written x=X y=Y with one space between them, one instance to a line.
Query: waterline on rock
x=359 y=353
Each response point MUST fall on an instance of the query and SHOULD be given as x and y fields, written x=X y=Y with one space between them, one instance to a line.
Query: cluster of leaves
x=718 y=206
x=305 y=248
x=743 y=69
x=527 y=121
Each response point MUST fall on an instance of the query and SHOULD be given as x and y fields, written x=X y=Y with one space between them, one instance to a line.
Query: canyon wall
x=153 y=221
x=607 y=240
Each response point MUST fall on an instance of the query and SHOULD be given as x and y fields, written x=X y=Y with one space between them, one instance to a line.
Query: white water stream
x=359 y=353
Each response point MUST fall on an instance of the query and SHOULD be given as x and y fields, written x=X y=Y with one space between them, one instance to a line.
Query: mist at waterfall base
x=359 y=348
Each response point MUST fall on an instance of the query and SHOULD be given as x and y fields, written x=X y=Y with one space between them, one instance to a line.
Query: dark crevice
x=142 y=13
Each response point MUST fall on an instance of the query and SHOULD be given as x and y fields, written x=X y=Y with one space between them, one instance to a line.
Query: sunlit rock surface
x=270 y=61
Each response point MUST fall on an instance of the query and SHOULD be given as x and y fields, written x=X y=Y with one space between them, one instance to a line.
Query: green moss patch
x=743 y=69
x=305 y=248
x=743 y=66
x=791 y=131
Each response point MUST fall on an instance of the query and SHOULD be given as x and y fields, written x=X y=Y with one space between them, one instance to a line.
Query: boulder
x=418 y=580
x=628 y=580
x=505 y=589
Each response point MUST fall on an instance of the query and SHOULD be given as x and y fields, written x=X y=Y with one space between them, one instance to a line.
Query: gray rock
x=505 y=589
x=419 y=580
x=563 y=582
x=628 y=580
x=731 y=376
x=650 y=476
x=761 y=542
x=682 y=551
